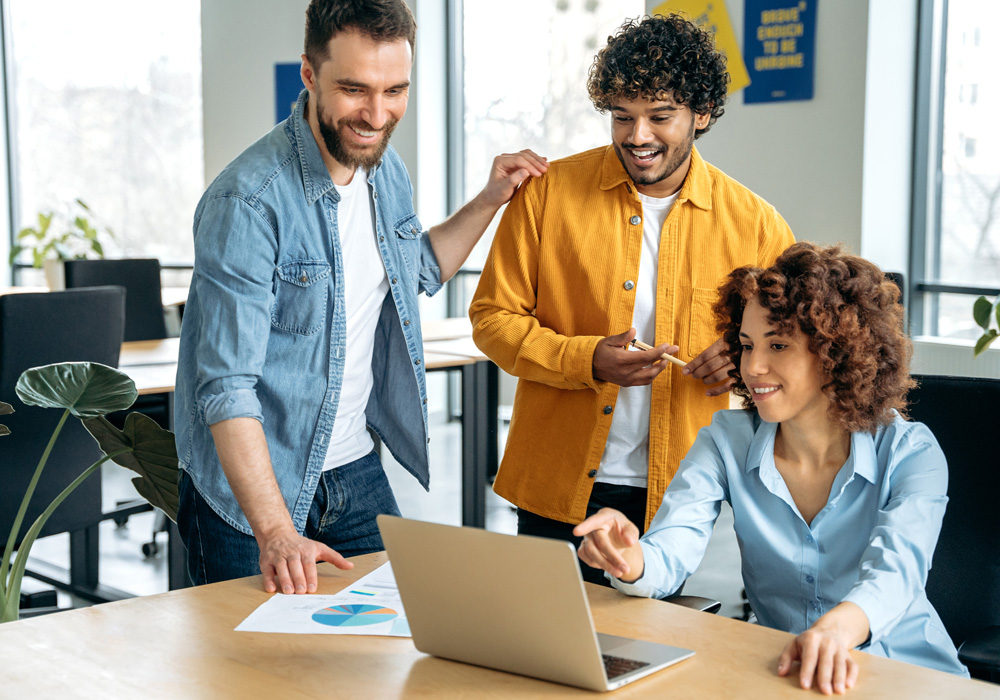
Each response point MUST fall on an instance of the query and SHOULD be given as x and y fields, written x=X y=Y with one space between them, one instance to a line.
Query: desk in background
x=182 y=645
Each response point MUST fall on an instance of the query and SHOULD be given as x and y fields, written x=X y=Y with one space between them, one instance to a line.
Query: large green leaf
x=984 y=341
x=153 y=457
x=981 y=312
x=85 y=389
x=5 y=409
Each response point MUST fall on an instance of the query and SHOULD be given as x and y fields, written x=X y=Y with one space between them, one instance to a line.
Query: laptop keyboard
x=616 y=666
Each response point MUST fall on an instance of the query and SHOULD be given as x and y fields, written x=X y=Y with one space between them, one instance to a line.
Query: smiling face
x=653 y=140
x=785 y=379
x=356 y=98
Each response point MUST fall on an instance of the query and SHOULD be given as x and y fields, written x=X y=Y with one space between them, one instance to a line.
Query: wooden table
x=181 y=644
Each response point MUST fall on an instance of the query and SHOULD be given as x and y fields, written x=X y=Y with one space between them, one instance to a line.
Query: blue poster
x=287 y=86
x=779 y=47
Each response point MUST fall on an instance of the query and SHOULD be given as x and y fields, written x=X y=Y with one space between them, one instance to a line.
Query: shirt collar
x=697 y=187
x=761 y=452
x=316 y=180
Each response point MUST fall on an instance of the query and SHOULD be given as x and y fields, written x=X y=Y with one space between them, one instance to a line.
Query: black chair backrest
x=141 y=279
x=964 y=582
x=82 y=325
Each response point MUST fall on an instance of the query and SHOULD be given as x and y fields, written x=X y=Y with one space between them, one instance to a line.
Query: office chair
x=83 y=325
x=144 y=318
x=964 y=581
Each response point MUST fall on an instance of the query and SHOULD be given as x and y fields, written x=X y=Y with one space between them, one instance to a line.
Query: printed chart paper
x=370 y=606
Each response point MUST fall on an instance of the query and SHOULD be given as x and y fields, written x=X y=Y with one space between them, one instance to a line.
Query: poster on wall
x=713 y=17
x=779 y=43
x=287 y=86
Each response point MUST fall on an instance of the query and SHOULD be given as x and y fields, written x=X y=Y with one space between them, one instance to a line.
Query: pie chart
x=354 y=615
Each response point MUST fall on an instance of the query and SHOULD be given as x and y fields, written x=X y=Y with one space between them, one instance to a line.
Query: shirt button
x=394 y=280
x=425 y=400
x=608 y=410
x=814 y=605
x=303 y=278
x=592 y=473
x=417 y=361
x=629 y=285
x=635 y=220
x=809 y=539
x=809 y=579
x=381 y=238
x=406 y=322
x=374 y=195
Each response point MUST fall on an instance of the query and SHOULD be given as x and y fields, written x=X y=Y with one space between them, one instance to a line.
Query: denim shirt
x=264 y=326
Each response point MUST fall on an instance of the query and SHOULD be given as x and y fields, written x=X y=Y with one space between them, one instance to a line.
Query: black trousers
x=630 y=500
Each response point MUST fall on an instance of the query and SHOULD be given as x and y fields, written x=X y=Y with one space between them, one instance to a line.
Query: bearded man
x=301 y=328
x=626 y=241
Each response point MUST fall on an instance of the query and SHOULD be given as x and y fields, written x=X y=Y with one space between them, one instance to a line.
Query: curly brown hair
x=659 y=58
x=851 y=316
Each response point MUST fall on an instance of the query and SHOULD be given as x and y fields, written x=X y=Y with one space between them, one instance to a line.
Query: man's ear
x=308 y=74
x=701 y=120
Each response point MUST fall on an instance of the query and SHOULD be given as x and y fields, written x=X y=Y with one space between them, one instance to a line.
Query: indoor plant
x=59 y=237
x=89 y=391
x=985 y=312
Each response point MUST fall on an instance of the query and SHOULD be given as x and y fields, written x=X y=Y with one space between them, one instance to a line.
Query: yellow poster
x=712 y=16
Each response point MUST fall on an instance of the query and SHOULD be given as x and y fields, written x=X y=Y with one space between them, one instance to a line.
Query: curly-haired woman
x=838 y=500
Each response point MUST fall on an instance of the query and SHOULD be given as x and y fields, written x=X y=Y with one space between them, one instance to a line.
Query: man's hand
x=615 y=363
x=611 y=542
x=712 y=367
x=288 y=562
x=508 y=172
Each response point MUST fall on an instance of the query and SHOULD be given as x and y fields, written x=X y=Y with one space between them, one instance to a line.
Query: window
x=105 y=106
x=533 y=95
x=957 y=194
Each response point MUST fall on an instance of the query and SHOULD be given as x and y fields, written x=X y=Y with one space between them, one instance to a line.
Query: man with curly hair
x=627 y=241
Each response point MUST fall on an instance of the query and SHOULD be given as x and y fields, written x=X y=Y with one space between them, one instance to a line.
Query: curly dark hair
x=659 y=58
x=851 y=316
x=382 y=20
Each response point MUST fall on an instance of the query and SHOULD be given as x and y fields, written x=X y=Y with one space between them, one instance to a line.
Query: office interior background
x=135 y=107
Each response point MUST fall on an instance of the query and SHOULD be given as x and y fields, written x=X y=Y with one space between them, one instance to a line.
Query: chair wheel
x=149 y=549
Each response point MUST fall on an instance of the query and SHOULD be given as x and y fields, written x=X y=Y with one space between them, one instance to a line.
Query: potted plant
x=985 y=312
x=88 y=391
x=60 y=237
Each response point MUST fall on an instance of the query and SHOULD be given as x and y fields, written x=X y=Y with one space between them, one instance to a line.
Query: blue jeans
x=342 y=516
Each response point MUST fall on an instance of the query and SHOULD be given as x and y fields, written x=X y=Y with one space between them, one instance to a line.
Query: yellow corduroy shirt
x=560 y=277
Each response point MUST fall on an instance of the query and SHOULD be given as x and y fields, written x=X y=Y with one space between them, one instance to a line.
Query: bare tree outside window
x=966 y=250
x=106 y=107
x=533 y=93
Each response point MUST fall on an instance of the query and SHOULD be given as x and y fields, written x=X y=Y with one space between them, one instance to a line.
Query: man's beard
x=676 y=159
x=366 y=157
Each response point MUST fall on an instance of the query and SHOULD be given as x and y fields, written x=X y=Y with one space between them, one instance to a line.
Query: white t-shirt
x=365 y=286
x=626 y=454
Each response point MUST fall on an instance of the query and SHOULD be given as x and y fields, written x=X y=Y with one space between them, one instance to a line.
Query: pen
x=669 y=358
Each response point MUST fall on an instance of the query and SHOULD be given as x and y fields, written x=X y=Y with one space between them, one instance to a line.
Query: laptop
x=515 y=604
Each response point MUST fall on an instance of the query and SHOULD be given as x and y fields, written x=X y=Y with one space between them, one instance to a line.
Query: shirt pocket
x=408 y=231
x=701 y=332
x=300 y=296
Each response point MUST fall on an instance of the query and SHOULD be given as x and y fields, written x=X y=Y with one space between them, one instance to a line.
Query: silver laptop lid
x=515 y=604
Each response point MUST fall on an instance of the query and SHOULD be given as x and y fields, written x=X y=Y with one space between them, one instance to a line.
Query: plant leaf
x=984 y=341
x=4 y=430
x=5 y=409
x=997 y=310
x=85 y=389
x=153 y=457
x=981 y=312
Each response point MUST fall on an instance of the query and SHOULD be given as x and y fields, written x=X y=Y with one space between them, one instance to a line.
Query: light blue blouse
x=871 y=544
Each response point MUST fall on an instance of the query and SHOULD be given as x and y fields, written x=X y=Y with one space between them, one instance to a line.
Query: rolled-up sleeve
x=893 y=570
x=236 y=252
x=430 y=271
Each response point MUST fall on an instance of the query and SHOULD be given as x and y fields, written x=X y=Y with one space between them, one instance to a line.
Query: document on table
x=369 y=606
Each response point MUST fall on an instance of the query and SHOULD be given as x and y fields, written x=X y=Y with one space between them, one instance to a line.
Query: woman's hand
x=823 y=650
x=611 y=542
